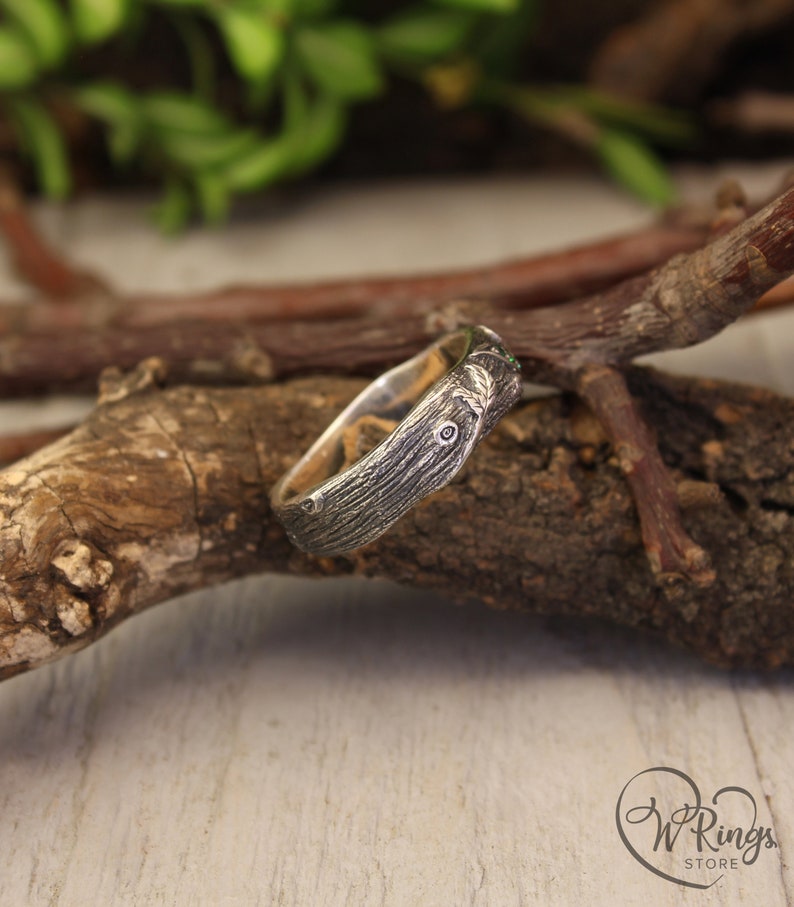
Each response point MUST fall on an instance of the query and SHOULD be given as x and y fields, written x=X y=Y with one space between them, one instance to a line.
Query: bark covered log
x=165 y=491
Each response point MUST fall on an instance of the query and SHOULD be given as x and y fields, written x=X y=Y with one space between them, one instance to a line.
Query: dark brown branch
x=524 y=283
x=15 y=446
x=35 y=259
x=667 y=544
x=674 y=47
x=166 y=491
x=778 y=297
x=682 y=302
x=756 y=111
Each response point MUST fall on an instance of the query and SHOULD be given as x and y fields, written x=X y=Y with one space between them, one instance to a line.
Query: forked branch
x=165 y=490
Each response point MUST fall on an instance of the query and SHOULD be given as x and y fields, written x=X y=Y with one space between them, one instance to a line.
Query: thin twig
x=539 y=280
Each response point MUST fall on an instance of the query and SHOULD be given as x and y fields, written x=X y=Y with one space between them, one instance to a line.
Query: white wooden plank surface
x=334 y=743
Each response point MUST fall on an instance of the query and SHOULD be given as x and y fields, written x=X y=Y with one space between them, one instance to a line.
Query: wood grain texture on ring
x=442 y=402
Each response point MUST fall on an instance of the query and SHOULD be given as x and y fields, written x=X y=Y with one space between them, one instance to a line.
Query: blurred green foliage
x=300 y=66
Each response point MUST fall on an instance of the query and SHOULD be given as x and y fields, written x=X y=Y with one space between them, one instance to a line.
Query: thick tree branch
x=165 y=491
x=93 y=505
x=576 y=345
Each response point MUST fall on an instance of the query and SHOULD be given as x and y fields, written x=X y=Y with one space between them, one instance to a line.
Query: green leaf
x=97 y=20
x=501 y=41
x=17 y=61
x=173 y=211
x=340 y=57
x=276 y=8
x=661 y=124
x=174 y=112
x=43 y=24
x=108 y=101
x=199 y=50
x=302 y=145
x=318 y=136
x=312 y=9
x=213 y=196
x=294 y=98
x=199 y=152
x=193 y=134
x=123 y=142
x=42 y=140
x=424 y=34
x=254 y=43
x=487 y=6
x=261 y=166
x=120 y=111
x=634 y=165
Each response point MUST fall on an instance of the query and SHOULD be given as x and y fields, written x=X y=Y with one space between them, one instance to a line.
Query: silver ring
x=436 y=407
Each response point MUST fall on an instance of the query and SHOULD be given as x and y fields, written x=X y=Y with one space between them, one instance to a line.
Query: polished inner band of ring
x=441 y=403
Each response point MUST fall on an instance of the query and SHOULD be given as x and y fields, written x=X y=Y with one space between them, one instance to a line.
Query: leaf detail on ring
x=482 y=394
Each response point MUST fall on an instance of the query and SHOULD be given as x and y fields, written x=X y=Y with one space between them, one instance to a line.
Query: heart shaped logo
x=667 y=827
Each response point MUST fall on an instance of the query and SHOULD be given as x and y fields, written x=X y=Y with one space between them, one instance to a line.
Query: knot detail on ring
x=446 y=433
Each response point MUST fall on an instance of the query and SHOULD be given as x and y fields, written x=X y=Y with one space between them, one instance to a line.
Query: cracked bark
x=166 y=491
x=161 y=491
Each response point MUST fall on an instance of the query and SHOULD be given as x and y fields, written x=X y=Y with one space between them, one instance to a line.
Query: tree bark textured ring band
x=440 y=403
